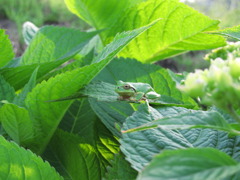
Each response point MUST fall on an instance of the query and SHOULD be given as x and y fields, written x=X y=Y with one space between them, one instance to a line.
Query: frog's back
x=142 y=87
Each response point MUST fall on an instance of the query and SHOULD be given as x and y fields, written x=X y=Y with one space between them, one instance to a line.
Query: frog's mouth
x=126 y=94
x=133 y=89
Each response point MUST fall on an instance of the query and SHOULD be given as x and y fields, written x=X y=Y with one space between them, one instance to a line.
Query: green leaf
x=169 y=101
x=140 y=147
x=99 y=90
x=97 y=13
x=48 y=52
x=103 y=91
x=20 y=98
x=194 y=119
x=130 y=70
x=233 y=32
x=18 y=163
x=12 y=74
x=75 y=156
x=6 y=49
x=83 y=58
x=68 y=66
x=178 y=78
x=175 y=33
x=120 y=41
x=7 y=92
x=17 y=123
x=133 y=71
x=50 y=114
x=193 y=163
x=112 y=114
x=29 y=31
x=81 y=120
x=13 y=63
x=53 y=44
x=120 y=169
x=49 y=48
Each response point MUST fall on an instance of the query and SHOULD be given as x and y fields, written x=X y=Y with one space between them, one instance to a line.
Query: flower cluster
x=232 y=49
x=220 y=84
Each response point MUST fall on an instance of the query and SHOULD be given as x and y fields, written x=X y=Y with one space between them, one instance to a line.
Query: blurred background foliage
x=39 y=12
x=13 y=13
x=227 y=11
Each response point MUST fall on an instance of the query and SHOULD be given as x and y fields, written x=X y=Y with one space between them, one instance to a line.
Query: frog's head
x=125 y=89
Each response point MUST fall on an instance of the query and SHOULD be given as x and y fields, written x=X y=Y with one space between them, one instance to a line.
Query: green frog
x=135 y=91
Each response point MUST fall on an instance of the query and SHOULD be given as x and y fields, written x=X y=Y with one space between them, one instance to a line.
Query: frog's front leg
x=139 y=96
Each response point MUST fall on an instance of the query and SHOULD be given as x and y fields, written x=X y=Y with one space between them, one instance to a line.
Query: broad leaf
x=103 y=91
x=194 y=119
x=50 y=114
x=54 y=44
x=12 y=74
x=99 y=13
x=133 y=71
x=175 y=33
x=50 y=47
x=78 y=157
x=120 y=41
x=130 y=70
x=20 y=98
x=178 y=78
x=13 y=63
x=120 y=169
x=66 y=67
x=7 y=92
x=6 y=49
x=188 y=164
x=81 y=120
x=17 y=123
x=112 y=114
x=140 y=147
x=233 y=32
x=18 y=163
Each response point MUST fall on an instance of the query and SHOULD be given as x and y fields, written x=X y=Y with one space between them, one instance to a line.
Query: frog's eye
x=126 y=86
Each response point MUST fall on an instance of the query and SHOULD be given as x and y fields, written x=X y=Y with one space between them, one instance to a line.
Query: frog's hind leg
x=152 y=95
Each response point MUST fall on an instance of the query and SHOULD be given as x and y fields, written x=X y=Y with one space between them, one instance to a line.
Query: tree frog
x=135 y=91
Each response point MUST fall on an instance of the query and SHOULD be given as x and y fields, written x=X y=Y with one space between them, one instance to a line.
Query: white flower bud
x=195 y=83
x=234 y=66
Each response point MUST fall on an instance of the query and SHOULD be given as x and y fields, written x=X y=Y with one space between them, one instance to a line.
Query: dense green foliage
x=58 y=99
